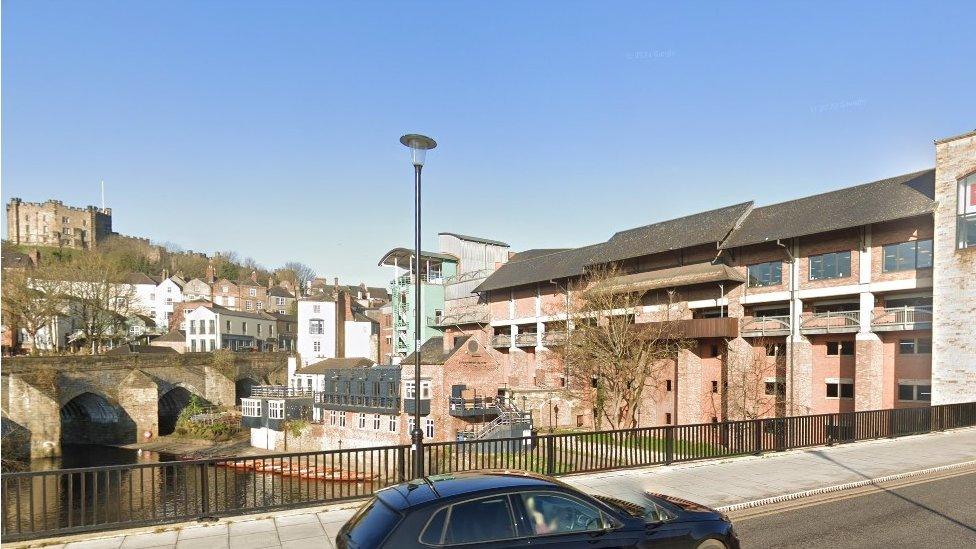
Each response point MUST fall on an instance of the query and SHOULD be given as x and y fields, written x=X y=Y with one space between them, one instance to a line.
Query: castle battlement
x=51 y=202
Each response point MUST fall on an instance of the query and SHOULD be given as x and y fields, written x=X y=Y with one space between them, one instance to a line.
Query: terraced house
x=854 y=299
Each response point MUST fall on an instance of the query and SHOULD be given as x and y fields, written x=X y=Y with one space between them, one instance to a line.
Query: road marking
x=856 y=492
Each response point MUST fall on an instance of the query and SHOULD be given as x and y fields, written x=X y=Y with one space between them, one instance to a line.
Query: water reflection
x=92 y=455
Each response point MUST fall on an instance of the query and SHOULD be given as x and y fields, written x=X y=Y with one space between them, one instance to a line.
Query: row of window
x=204 y=345
x=916 y=254
x=379 y=422
x=251 y=407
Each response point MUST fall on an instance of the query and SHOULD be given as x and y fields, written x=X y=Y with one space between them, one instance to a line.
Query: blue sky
x=271 y=128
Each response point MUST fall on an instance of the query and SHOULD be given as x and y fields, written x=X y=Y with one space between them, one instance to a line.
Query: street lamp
x=419 y=145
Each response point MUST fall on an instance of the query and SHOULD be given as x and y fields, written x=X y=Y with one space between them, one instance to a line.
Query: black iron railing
x=41 y=504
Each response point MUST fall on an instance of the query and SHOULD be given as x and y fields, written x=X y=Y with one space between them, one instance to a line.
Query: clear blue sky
x=271 y=128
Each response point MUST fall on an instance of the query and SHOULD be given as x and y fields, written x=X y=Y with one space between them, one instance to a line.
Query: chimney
x=211 y=273
x=448 y=341
x=270 y=282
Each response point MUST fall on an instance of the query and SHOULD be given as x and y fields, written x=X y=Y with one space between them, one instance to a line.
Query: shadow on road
x=895 y=494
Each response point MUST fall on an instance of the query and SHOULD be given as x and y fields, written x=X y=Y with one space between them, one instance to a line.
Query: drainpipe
x=793 y=327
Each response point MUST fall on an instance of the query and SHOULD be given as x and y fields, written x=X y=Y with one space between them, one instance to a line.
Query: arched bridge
x=118 y=399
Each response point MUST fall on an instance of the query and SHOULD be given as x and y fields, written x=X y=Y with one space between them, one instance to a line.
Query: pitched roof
x=141 y=278
x=132 y=349
x=897 y=197
x=542 y=268
x=432 y=351
x=536 y=252
x=685 y=275
x=175 y=335
x=278 y=291
x=476 y=239
x=324 y=366
x=709 y=227
x=231 y=312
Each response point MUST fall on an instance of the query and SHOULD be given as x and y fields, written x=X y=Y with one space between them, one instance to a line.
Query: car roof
x=436 y=487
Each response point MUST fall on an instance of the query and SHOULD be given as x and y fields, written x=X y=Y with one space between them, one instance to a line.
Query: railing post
x=669 y=445
x=401 y=464
x=204 y=492
x=759 y=436
x=550 y=455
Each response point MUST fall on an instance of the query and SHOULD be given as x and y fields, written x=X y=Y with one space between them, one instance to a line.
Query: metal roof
x=406 y=254
x=477 y=239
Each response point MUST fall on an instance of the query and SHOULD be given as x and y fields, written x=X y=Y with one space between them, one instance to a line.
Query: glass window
x=840 y=348
x=434 y=531
x=368 y=527
x=558 y=514
x=342 y=419
x=906 y=392
x=376 y=422
x=276 y=409
x=316 y=346
x=429 y=427
x=766 y=274
x=316 y=326
x=916 y=254
x=966 y=218
x=840 y=388
x=832 y=265
x=250 y=407
x=480 y=521
x=392 y=423
x=846 y=390
x=362 y=420
x=923 y=392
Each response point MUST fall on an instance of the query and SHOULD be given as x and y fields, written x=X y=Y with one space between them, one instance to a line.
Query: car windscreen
x=371 y=524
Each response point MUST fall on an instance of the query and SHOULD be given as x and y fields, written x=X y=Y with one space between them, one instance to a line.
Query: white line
x=839 y=487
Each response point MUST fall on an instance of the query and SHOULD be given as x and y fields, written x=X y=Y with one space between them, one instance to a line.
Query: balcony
x=526 y=340
x=554 y=338
x=474 y=407
x=410 y=408
x=358 y=403
x=831 y=322
x=696 y=328
x=460 y=317
x=279 y=391
x=501 y=340
x=917 y=317
x=760 y=326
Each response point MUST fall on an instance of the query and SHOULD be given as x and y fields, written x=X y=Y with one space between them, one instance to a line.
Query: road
x=937 y=510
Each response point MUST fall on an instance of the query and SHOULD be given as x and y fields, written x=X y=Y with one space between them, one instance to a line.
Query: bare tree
x=98 y=296
x=755 y=386
x=610 y=351
x=31 y=300
x=303 y=275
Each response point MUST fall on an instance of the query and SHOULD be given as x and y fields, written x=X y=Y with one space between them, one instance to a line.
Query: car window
x=434 y=530
x=371 y=524
x=481 y=520
x=550 y=513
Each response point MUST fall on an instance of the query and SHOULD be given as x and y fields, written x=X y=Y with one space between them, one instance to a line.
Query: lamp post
x=419 y=145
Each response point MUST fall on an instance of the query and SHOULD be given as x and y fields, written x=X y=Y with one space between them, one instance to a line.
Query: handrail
x=501 y=340
x=902 y=316
x=831 y=321
x=766 y=325
x=279 y=391
x=526 y=339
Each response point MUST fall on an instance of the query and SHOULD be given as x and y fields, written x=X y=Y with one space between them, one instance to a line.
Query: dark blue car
x=514 y=509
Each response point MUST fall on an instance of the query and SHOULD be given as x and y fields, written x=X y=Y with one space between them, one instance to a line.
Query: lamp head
x=419 y=145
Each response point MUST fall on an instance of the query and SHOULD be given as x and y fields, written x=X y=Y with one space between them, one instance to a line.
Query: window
x=392 y=423
x=916 y=346
x=152 y=297
x=213 y=324
x=362 y=420
x=765 y=274
x=342 y=419
x=914 y=390
x=333 y=417
x=212 y=344
x=408 y=387
x=840 y=348
x=260 y=305
x=193 y=326
x=228 y=326
x=833 y=265
x=193 y=345
x=667 y=418
x=316 y=308
x=244 y=328
x=248 y=305
x=549 y=514
x=425 y=390
x=410 y=424
x=252 y=292
x=376 y=422
x=478 y=521
x=276 y=409
x=259 y=329
x=316 y=326
x=429 y=427
x=916 y=254
x=840 y=388
x=224 y=289
x=775 y=386
x=966 y=210
x=714 y=386
x=279 y=301
x=250 y=407
x=667 y=385
x=772 y=349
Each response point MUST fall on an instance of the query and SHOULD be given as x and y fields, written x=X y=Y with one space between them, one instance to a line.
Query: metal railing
x=903 y=318
x=501 y=340
x=831 y=322
x=364 y=401
x=39 y=504
x=453 y=318
x=279 y=391
x=765 y=325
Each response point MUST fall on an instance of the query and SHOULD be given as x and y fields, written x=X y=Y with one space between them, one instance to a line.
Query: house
x=332 y=325
x=280 y=300
x=286 y=328
x=216 y=327
x=175 y=339
x=197 y=288
x=169 y=293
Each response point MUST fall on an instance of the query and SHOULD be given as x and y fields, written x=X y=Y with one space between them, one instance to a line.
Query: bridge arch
x=171 y=404
x=92 y=418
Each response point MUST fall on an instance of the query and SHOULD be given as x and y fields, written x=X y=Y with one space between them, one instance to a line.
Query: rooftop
x=403 y=256
x=324 y=366
x=432 y=351
x=477 y=239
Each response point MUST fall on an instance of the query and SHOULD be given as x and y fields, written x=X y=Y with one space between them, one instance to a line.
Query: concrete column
x=139 y=397
x=37 y=411
x=866 y=312
x=219 y=389
x=744 y=383
x=799 y=376
x=689 y=386
x=868 y=372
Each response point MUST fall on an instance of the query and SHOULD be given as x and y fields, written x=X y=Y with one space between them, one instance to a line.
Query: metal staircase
x=501 y=426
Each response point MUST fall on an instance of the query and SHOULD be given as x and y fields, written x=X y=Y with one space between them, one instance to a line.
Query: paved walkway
x=713 y=483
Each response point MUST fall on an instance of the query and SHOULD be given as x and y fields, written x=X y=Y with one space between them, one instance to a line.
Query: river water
x=92 y=455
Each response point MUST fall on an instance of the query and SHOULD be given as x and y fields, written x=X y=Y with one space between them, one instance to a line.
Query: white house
x=216 y=327
x=144 y=288
x=316 y=328
x=168 y=292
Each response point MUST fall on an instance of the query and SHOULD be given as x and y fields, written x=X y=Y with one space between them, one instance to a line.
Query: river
x=92 y=455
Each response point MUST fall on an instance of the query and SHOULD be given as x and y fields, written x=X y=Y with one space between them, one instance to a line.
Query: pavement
x=714 y=483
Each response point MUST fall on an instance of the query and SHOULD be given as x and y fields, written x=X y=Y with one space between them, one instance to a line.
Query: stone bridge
x=118 y=399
